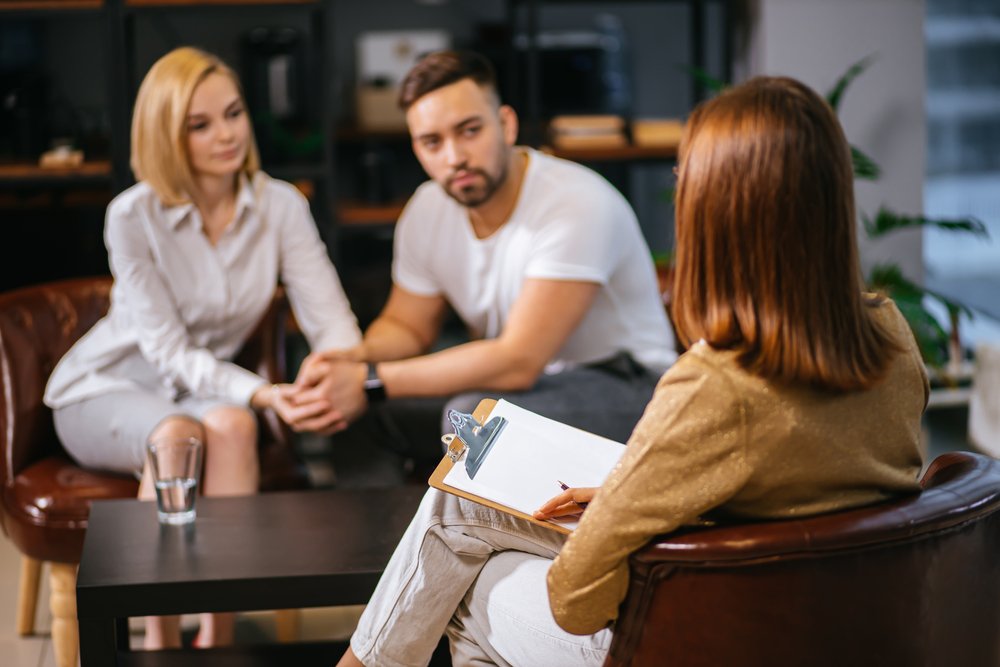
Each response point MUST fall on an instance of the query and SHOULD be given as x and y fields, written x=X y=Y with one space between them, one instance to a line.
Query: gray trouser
x=110 y=431
x=606 y=399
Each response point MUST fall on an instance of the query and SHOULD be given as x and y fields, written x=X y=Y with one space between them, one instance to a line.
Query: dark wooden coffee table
x=270 y=551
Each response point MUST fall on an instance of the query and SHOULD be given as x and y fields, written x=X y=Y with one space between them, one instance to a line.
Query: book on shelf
x=587 y=132
x=588 y=141
x=594 y=124
x=657 y=132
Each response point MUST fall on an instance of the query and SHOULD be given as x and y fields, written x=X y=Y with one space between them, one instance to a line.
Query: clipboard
x=481 y=415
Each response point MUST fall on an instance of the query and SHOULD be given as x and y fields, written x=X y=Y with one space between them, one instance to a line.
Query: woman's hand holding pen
x=571 y=501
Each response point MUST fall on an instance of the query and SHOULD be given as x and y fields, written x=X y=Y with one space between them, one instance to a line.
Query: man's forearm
x=388 y=340
x=483 y=364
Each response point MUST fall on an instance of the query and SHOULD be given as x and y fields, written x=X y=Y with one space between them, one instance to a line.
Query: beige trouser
x=478 y=575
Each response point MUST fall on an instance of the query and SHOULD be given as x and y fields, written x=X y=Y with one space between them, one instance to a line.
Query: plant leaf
x=710 y=83
x=887 y=220
x=864 y=166
x=931 y=337
x=837 y=92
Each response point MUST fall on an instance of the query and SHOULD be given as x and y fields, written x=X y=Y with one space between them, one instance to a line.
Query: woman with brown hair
x=799 y=394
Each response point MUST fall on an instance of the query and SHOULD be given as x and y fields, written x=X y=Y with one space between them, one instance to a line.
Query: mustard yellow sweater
x=717 y=437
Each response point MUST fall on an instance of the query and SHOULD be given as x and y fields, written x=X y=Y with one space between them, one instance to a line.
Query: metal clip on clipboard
x=477 y=438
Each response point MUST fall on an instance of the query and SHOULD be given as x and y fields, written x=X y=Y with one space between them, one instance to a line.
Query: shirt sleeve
x=579 y=238
x=161 y=334
x=685 y=457
x=314 y=289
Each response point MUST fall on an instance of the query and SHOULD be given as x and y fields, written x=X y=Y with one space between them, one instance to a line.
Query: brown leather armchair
x=44 y=496
x=914 y=581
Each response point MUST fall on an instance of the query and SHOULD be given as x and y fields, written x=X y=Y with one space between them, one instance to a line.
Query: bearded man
x=541 y=258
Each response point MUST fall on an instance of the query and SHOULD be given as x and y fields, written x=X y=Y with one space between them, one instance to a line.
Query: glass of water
x=175 y=464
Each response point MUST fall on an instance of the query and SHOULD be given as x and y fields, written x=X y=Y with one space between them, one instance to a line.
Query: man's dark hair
x=442 y=68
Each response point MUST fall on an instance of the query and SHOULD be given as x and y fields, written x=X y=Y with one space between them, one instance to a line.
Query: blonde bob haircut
x=767 y=259
x=159 y=122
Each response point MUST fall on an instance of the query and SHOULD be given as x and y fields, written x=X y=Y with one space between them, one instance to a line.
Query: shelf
x=203 y=3
x=49 y=5
x=357 y=213
x=618 y=154
x=949 y=398
x=23 y=173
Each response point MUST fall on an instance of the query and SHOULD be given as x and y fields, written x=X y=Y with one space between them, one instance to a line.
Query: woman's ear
x=508 y=121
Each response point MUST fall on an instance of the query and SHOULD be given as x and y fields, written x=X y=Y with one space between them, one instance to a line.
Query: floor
x=944 y=431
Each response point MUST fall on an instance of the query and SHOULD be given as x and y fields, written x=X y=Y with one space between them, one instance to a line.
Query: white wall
x=883 y=112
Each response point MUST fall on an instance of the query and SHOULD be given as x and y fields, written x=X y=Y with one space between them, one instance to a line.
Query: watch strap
x=374 y=388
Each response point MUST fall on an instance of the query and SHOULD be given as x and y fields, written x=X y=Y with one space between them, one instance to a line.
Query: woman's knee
x=178 y=426
x=231 y=423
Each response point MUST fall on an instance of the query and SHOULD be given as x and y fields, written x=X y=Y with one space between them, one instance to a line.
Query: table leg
x=100 y=640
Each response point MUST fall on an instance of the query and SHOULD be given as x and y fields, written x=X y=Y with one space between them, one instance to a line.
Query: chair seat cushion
x=57 y=491
x=49 y=502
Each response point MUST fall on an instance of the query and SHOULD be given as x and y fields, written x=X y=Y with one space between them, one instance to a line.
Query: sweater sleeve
x=685 y=457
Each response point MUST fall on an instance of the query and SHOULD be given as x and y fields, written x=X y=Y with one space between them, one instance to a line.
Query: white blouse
x=182 y=308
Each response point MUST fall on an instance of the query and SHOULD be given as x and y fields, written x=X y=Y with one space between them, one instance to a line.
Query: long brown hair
x=767 y=258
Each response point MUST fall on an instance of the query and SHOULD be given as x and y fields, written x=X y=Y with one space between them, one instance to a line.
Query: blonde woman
x=196 y=248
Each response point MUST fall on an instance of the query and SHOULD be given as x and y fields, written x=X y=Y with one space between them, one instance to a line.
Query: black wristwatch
x=374 y=389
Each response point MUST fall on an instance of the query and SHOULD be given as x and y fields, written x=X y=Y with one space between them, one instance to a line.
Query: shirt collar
x=245 y=201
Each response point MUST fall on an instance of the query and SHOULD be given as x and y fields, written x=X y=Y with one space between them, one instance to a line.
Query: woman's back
x=808 y=450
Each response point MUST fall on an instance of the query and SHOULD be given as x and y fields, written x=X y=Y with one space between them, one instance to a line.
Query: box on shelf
x=376 y=109
x=384 y=58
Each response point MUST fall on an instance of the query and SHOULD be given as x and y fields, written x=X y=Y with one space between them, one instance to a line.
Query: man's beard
x=476 y=195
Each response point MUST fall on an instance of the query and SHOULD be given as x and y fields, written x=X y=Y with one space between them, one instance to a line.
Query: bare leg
x=165 y=631
x=231 y=469
x=231 y=466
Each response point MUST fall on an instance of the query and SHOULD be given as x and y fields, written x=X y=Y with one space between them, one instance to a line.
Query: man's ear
x=508 y=121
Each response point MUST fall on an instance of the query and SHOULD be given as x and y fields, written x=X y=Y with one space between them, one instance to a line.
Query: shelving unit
x=315 y=174
x=523 y=90
x=18 y=172
x=350 y=209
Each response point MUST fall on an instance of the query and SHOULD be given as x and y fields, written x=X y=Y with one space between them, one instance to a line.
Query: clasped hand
x=327 y=395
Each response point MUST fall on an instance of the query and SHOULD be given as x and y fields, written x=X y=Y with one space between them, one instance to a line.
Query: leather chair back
x=37 y=326
x=913 y=581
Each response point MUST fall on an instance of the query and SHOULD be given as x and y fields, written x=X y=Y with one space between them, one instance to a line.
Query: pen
x=564 y=487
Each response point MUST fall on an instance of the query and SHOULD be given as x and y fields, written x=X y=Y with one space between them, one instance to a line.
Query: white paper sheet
x=531 y=456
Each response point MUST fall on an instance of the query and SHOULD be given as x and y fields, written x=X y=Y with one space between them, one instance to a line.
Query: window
x=963 y=156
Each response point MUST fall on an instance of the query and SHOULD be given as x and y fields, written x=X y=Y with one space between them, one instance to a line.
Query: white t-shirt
x=568 y=224
x=181 y=308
